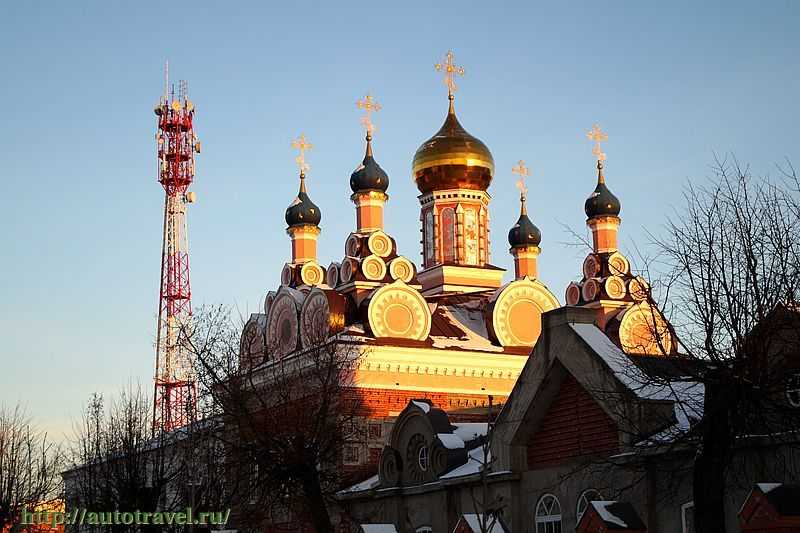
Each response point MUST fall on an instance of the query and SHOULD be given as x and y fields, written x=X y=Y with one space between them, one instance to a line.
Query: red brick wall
x=379 y=403
x=574 y=426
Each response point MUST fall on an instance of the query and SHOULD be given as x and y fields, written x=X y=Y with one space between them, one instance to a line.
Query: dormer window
x=793 y=390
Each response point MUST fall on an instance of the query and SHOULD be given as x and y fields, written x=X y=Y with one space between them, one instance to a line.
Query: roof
x=474 y=522
x=785 y=498
x=648 y=380
x=618 y=515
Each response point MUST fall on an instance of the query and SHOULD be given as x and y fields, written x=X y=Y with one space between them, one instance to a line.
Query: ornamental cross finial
x=597 y=135
x=523 y=172
x=450 y=70
x=302 y=145
x=369 y=105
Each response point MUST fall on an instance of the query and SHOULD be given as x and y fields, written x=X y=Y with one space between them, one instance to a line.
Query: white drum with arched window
x=589 y=495
x=548 y=515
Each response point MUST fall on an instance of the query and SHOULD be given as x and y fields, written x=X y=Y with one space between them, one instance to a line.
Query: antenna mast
x=175 y=383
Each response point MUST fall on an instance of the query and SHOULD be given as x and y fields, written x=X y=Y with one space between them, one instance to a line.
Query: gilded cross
x=523 y=172
x=369 y=105
x=450 y=70
x=302 y=145
x=597 y=135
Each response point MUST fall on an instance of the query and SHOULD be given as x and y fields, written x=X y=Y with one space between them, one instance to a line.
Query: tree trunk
x=711 y=461
x=316 y=502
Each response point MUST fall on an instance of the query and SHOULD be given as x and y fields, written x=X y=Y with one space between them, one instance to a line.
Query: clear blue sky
x=671 y=82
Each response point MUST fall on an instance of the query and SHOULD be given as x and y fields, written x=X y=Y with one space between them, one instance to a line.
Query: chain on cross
x=523 y=172
x=369 y=105
x=450 y=71
x=302 y=145
x=598 y=136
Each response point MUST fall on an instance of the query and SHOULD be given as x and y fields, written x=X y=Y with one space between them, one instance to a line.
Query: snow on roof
x=687 y=395
x=474 y=523
x=602 y=509
x=422 y=405
x=768 y=487
x=475 y=463
x=367 y=484
x=450 y=441
x=470 y=321
x=378 y=528
x=468 y=431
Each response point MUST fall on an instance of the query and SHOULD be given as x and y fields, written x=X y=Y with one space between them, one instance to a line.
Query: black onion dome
x=524 y=233
x=369 y=176
x=302 y=211
x=602 y=201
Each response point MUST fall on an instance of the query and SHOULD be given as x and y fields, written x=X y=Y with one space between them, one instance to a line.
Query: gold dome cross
x=302 y=145
x=523 y=172
x=369 y=105
x=598 y=136
x=450 y=70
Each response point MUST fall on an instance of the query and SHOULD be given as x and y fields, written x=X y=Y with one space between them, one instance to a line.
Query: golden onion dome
x=452 y=159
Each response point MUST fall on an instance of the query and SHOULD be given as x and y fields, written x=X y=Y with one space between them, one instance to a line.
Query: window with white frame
x=589 y=495
x=423 y=529
x=687 y=517
x=548 y=515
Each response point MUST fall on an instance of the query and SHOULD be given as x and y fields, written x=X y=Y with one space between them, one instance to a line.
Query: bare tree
x=116 y=464
x=733 y=259
x=727 y=279
x=285 y=421
x=29 y=467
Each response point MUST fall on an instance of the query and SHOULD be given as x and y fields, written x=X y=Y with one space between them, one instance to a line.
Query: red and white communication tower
x=175 y=387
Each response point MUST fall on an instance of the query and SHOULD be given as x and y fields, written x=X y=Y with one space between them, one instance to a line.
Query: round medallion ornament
x=399 y=311
x=311 y=273
x=373 y=268
x=286 y=274
x=348 y=269
x=643 y=330
x=573 y=293
x=618 y=265
x=402 y=269
x=517 y=312
x=590 y=290
x=379 y=244
x=615 y=287
x=283 y=323
x=352 y=245
x=322 y=315
x=332 y=275
x=591 y=266
x=638 y=288
x=268 y=301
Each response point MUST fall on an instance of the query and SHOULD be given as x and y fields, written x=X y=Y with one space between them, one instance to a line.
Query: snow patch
x=426 y=408
x=468 y=431
x=474 y=523
x=450 y=441
x=378 y=528
x=768 y=487
x=602 y=509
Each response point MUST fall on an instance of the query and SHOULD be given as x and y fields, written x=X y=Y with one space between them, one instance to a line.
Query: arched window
x=423 y=529
x=589 y=495
x=548 y=515
x=448 y=223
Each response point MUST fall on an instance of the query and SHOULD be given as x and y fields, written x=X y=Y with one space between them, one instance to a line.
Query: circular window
x=422 y=458
x=793 y=390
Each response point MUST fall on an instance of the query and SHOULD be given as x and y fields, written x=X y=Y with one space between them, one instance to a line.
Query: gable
x=574 y=425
